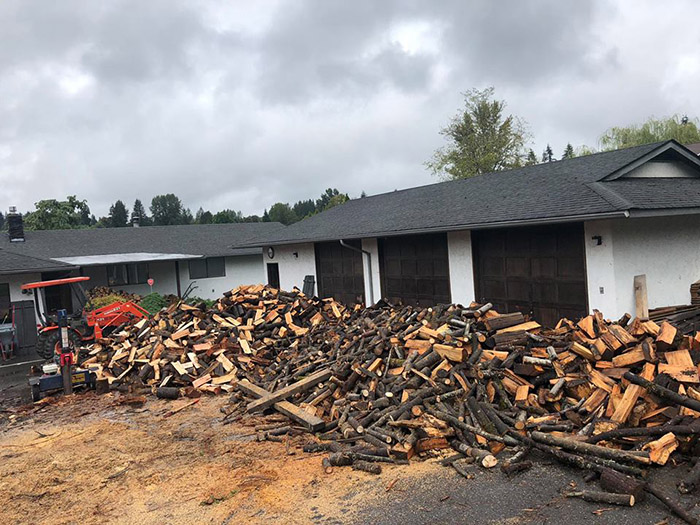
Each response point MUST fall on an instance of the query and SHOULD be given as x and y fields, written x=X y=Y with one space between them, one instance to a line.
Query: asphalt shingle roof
x=545 y=192
x=201 y=240
x=16 y=263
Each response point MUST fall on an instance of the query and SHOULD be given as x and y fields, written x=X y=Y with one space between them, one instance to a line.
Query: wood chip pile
x=389 y=383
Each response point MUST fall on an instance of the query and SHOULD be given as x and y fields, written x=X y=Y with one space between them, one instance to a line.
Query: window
x=122 y=274
x=210 y=267
x=5 y=316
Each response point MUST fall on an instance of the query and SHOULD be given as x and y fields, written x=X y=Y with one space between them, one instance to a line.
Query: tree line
x=481 y=138
x=165 y=210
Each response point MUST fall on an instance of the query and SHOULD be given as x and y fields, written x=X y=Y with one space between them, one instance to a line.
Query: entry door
x=415 y=269
x=539 y=271
x=25 y=321
x=273 y=275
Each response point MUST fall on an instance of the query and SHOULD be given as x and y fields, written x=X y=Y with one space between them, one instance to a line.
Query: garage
x=339 y=272
x=415 y=269
x=539 y=271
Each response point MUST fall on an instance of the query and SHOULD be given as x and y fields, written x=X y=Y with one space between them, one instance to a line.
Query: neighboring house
x=695 y=148
x=555 y=239
x=204 y=258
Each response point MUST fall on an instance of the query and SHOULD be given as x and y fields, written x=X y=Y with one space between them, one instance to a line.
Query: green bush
x=196 y=301
x=153 y=302
x=104 y=300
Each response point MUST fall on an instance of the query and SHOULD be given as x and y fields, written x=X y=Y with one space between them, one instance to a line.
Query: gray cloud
x=239 y=105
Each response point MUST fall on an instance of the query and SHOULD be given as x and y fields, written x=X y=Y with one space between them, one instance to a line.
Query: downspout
x=369 y=267
x=177 y=278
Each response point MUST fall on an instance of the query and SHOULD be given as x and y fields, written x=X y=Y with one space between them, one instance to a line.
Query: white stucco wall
x=459 y=252
x=666 y=249
x=17 y=280
x=292 y=268
x=239 y=270
x=372 y=275
x=665 y=169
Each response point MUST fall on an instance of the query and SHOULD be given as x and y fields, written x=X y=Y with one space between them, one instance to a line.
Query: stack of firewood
x=388 y=383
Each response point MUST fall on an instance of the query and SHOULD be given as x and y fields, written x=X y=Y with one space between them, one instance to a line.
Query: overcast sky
x=241 y=104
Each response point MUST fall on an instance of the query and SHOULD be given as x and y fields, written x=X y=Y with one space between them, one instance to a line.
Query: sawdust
x=90 y=457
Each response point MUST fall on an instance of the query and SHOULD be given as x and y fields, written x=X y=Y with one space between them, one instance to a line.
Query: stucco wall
x=372 y=276
x=292 y=268
x=666 y=249
x=239 y=270
x=459 y=251
x=17 y=280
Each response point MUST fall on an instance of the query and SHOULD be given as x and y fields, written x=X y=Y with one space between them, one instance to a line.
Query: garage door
x=540 y=271
x=414 y=269
x=339 y=272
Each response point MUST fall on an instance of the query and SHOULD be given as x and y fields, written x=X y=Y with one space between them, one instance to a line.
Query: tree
x=203 y=217
x=167 y=210
x=531 y=158
x=118 y=215
x=548 y=154
x=2 y=221
x=304 y=209
x=682 y=129
x=480 y=139
x=281 y=212
x=227 y=217
x=363 y=194
x=335 y=200
x=266 y=216
x=569 y=152
x=139 y=211
x=52 y=214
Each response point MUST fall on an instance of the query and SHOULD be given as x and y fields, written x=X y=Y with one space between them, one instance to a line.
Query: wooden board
x=300 y=386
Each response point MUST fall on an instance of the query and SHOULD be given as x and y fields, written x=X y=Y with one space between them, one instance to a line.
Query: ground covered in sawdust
x=92 y=457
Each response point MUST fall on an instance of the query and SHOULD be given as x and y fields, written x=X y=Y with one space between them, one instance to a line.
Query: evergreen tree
x=139 y=211
x=531 y=158
x=118 y=215
x=548 y=154
x=569 y=152
x=203 y=217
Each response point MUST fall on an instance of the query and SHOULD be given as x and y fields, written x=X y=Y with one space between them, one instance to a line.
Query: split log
x=662 y=392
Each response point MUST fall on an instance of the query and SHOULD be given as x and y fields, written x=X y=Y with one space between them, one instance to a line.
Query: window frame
x=207 y=267
x=130 y=273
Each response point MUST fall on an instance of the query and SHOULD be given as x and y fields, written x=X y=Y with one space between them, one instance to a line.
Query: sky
x=239 y=104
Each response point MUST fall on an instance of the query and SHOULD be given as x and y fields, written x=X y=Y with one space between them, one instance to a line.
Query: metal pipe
x=369 y=267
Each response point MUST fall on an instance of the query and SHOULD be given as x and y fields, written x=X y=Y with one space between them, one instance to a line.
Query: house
x=205 y=260
x=556 y=239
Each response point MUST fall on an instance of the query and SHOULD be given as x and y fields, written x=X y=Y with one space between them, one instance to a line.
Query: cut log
x=663 y=392
x=300 y=386
x=626 y=500
x=586 y=448
x=613 y=481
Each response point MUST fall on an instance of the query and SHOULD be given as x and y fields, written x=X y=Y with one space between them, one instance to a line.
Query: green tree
x=480 y=139
x=203 y=217
x=252 y=218
x=266 y=216
x=531 y=158
x=140 y=211
x=328 y=196
x=336 y=200
x=227 y=217
x=681 y=129
x=118 y=215
x=167 y=210
x=568 y=152
x=281 y=212
x=52 y=214
x=304 y=208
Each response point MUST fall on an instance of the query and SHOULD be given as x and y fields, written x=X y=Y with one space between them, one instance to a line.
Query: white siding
x=372 y=276
x=459 y=251
x=665 y=249
x=295 y=262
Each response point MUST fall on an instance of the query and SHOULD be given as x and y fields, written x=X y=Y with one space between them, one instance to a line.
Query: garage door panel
x=538 y=270
x=339 y=272
x=415 y=269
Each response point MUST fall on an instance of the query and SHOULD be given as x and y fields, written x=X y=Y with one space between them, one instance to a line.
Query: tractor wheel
x=48 y=344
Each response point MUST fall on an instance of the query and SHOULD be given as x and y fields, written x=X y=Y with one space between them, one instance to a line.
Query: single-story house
x=205 y=260
x=555 y=239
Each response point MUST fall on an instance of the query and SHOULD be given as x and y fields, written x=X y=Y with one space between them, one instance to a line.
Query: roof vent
x=15 y=226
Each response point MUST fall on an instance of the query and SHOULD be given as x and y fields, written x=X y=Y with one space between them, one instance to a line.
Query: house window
x=209 y=267
x=122 y=274
x=5 y=315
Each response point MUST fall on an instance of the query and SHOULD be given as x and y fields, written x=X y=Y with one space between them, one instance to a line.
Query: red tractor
x=85 y=326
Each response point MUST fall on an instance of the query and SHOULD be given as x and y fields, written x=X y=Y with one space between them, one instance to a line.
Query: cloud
x=242 y=104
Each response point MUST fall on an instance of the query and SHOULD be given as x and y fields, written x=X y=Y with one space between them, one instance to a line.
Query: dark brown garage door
x=533 y=270
x=414 y=269
x=339 y=272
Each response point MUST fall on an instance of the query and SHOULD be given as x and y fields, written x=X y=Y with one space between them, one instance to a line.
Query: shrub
x=104 y=300
x=153 y=302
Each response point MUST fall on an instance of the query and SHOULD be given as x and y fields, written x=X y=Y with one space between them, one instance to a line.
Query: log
x=679 y=430
x=288 y=391
x=510 y=469
x=671 y=504
x=613 y=481
x=626 y=500
x=366 y=466
x=586 y=448
x=167 y=392
x=662 y=392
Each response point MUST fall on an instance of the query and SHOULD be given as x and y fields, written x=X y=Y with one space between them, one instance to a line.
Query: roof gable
x=669 y=160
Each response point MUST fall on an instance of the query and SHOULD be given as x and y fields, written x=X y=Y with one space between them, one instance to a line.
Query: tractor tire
x=48 y=343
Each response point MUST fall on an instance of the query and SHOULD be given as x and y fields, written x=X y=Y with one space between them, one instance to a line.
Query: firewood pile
x=390 y=383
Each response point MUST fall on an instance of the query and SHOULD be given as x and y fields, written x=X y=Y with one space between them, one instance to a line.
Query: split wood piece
x=586 y=448
x=667 y=334
x=313 y=423
x=626 y=500
x=270 y=398
x=613 y=481
x=641 y=300
x=663 y=392
x=661 y=449
x=632 y=393
x=671 y=504
x=691 y=481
